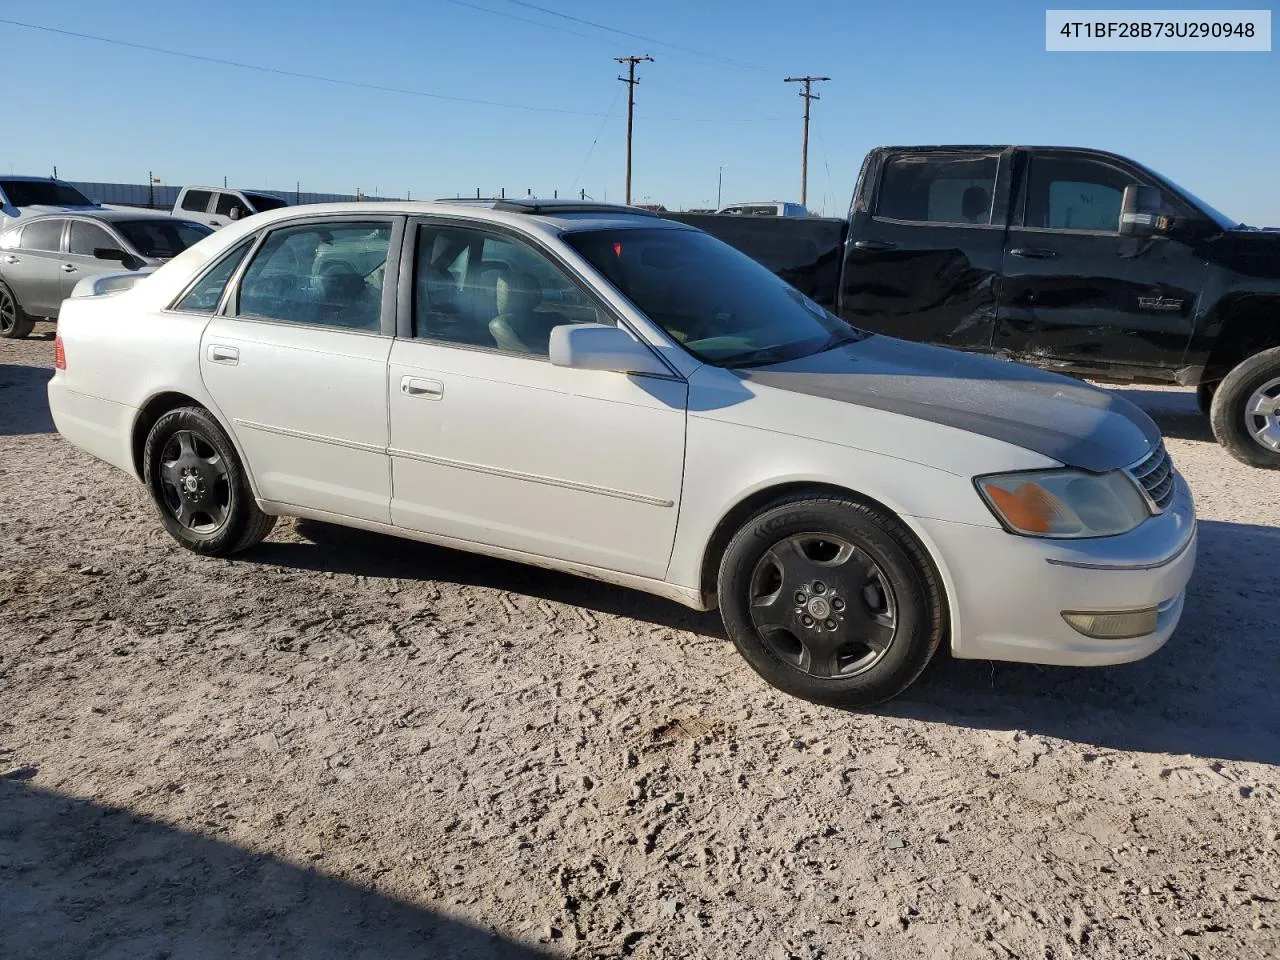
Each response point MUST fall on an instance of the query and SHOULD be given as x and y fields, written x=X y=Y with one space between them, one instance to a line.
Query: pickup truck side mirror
x=598 y=346
x=235 y=214
x=1142 y=211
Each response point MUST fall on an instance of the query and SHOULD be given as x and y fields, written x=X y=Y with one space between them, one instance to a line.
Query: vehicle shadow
x=1208 y=692
x=24 y=404
x=85 y=880
x=1174 y=411
x=337 y=549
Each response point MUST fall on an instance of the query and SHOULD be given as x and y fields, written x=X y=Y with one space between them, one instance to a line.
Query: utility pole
x=631 y=81
x=804 y=152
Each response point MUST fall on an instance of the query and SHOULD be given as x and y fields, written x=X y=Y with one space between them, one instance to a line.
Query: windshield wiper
x=840 y=338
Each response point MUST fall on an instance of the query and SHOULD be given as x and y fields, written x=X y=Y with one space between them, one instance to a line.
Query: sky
x=713 y=103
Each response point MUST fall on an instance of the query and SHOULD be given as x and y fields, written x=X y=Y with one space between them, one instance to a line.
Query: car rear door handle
x=221 y=354
x=425 y=389
x=68 y=268
x=874 y=244
x=1033 y=253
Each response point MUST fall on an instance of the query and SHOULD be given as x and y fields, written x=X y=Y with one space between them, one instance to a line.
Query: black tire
x=889 y=583
x=199 y=486
x=14 y=322
x=1204 y=397
x=1254 y=380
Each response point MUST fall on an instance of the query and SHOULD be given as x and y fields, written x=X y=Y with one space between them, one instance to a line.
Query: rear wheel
x=831 y=600
x=14 y=322
x=199 y=486
x=1245 y=414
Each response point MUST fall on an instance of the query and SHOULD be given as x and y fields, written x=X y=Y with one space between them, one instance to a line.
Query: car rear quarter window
x=325 y=274
x=205 y=296
x=196 y=200
x=87 y=237
x=938 y=189
x=43 y=235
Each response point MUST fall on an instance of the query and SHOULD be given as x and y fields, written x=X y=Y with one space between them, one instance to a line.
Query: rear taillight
x=59 y=355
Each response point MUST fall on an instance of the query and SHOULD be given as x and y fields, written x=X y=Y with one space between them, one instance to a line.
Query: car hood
x=1064 y=419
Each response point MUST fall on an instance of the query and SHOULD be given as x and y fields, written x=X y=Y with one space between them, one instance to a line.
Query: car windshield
x=262 y=202
x=52 y=193
x=719 y=304
x=161 y=239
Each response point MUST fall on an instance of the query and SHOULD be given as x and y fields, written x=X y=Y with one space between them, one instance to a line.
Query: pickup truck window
x=719 y=304
x=938 y=189
x=228 y=200
x=197 y=200
x=1074 y=193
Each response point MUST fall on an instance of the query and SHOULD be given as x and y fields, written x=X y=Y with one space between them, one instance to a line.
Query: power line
x=809 y=97
x=631 y=80
x=578 y=176
x=637 y=36
x=823 y=144
x=296 y=74
x=515 y=16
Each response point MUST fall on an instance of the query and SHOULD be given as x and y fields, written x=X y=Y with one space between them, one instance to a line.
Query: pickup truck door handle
x=424 y=389
x=11 y=259
x=68 y=268
x=221 y=354
x=1033 y=253
x=874 y=244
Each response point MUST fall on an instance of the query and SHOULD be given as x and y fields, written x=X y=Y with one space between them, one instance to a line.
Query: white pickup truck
x=219 y=206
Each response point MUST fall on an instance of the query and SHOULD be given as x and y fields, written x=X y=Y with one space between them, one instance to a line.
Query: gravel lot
x=344 y=745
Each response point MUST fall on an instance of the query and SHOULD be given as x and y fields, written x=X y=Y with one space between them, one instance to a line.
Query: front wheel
x=831 y=600
x=199 y=486
x=1245 y=414
x=14 y=322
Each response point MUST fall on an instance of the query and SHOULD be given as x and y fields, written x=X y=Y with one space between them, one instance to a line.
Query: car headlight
x=1064 y=503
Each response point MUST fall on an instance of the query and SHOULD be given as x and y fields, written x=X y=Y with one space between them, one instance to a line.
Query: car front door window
x=85 y=238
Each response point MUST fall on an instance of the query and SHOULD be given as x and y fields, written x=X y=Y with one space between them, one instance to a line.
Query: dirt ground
x=344 y=745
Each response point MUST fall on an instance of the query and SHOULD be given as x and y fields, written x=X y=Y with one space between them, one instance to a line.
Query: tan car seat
x=519 y=326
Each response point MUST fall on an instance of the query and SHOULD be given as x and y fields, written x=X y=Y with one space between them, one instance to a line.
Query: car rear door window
x=205 y=296
x=327 y=274
x=87 y=237
x=196 y=200
x=43 y=235
x=481 y=289
x=938 y=189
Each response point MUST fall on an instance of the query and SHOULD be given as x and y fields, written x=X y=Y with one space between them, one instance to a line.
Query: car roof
x=105 y=215
x=554 y=216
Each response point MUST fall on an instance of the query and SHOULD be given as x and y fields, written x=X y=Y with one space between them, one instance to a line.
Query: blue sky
x=905 y=72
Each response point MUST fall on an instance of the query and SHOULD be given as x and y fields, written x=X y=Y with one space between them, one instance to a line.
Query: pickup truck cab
x=219 y=206
x=23 y=197
x=1075 y=260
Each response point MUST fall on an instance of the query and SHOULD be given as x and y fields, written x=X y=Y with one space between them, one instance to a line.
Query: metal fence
x=164 y=196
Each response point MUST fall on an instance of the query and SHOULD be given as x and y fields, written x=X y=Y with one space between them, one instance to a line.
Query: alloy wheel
x=194 y=483
x=1262 y=415
x=822 y=605
x=8 y=312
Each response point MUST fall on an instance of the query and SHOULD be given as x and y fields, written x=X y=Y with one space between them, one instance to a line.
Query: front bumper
x=1008 y=593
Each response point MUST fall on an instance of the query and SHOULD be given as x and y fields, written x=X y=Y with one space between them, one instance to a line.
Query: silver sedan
x=43 y=258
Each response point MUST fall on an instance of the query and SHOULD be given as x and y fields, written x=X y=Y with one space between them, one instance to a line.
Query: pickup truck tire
x=831 y=600
x=198 y=485
x=14 y=322
x=1245 y=414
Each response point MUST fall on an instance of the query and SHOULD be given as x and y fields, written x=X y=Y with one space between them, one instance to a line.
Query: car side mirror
x=598 y=346
x=111 y=253
x=1142 y=211
x=235 y=214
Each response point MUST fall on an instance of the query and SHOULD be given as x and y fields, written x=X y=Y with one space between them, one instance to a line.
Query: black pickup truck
x=1076 y=260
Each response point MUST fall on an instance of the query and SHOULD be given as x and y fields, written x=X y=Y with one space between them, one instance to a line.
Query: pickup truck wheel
x=831 y=600
x=14 y=323
x=199 y=486
x=1245 y=415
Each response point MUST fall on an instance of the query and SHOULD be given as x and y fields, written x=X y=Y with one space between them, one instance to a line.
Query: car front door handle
x=874 y=244
x=220 y=354
x=424 y=389
x=68 y=268
x=1033 y=253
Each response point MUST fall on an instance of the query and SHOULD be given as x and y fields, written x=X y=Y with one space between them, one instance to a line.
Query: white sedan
x=600 y=391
